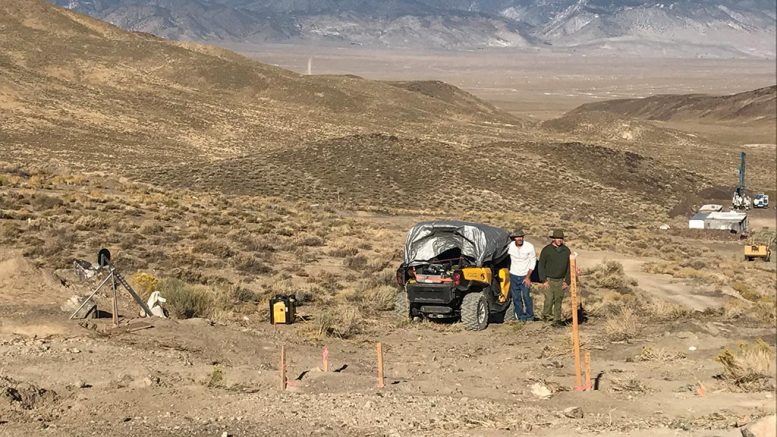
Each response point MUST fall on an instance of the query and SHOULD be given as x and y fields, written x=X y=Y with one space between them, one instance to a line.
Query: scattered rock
x=573 y=412
x=764 y=427
x=24 y=395
x=685 y=335
x=72 y=304
x=541 y=390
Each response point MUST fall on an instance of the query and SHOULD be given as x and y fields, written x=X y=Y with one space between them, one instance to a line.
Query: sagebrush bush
x=357 y=262
x=622 y=326
x=342 y=321
x=238 y=294
x=746 y=291
x=185 y=301
x=610 y=275
x=215 y=248
x=343 y=251
x=309 y=240
x=749 y=367
x=372 y=297
x=144 y=284
x=248 y=263
x=42 y=202
x=90 y=223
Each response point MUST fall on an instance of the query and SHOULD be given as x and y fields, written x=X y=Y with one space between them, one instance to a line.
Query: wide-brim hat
x=517 y=233
x=557 y=233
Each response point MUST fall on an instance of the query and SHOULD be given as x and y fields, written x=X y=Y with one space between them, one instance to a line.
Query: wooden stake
x=283 y=368
x=575 y=332
x=325 y=359
x=381 y=381
x=587 y=360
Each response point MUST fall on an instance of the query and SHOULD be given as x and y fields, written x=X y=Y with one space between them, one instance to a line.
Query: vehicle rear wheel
x=402 y=306
x=474 y=311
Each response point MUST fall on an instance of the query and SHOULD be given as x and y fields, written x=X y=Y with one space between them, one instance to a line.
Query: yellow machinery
x=282 y=309
x=759 y=246
x=484 y=275
x=480 y=274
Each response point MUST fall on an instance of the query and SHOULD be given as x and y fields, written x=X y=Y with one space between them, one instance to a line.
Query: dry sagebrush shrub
x=610 y=275
x=342 y=321
x=749 y=367
x=185 y=301
x=622 y=326
x=371 y=297
x=144 y=283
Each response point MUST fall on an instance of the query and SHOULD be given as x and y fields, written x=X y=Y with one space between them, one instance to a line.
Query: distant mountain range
x=718 y=28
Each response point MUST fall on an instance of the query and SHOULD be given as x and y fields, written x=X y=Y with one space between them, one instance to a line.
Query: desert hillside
x=756 y=105
x=205 y=118
x=67 y=78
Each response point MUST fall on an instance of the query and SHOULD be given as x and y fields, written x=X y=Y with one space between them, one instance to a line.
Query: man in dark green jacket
x=553 y=269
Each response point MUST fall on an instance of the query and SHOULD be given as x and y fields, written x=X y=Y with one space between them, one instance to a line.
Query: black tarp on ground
x=480 y=243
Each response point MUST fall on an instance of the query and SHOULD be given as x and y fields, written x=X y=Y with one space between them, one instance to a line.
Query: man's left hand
x=527 y=281
x=564 y=285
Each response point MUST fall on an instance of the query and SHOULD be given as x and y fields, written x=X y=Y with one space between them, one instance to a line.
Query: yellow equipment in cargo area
x=484 y=275
x=282 y=310
x=759 y=246
x=480 y=274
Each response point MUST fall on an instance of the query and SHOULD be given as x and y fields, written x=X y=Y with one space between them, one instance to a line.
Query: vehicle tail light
x=457 y=276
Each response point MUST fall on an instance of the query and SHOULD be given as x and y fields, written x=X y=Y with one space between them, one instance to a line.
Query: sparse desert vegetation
x=749 y=367
x=221 y=183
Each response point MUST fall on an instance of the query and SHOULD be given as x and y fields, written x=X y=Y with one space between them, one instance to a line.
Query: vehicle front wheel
x=474 y=311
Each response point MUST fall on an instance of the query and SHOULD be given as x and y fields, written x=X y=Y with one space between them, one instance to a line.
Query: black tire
x=474 y=311
x=402 y=306
x=507 y=315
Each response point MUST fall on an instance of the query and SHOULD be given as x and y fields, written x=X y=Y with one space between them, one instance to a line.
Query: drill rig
x=741 y=200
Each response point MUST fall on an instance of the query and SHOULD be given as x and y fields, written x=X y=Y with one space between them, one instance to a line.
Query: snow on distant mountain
x=722 y=28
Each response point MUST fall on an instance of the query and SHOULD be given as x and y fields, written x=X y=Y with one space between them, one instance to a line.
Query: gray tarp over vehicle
x=480 y=243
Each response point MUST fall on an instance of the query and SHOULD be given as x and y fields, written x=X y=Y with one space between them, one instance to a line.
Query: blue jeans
x=524 y=307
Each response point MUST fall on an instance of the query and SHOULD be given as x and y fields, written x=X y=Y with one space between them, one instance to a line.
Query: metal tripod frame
x=115 y=276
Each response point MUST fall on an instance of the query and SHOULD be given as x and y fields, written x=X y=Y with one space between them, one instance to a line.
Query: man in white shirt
x=523 y=259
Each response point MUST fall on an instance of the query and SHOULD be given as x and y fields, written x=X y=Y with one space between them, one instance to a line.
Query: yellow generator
x=759 y=246
x=282 y=310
